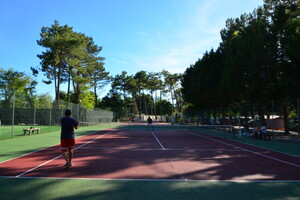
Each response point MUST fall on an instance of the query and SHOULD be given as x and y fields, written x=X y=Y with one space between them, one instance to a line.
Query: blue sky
x=136 y=35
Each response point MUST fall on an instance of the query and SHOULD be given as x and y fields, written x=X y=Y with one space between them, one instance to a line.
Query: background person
x=149 y=120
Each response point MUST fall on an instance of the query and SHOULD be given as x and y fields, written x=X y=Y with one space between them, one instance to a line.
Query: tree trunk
x=95 y=93
x=160 y=97
x=57 y=96
x=69 y=83
x=125 y=103
x=145 y=103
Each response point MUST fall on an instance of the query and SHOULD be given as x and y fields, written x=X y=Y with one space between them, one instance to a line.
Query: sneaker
x=68 y=164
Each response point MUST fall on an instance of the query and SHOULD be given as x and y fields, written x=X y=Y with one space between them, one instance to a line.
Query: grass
x=39 y=188
x=20 y=145
x=9 y=132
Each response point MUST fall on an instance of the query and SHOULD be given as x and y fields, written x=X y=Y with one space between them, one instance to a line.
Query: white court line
x=170 y=159
x=61 y=155
x=161 y=180
x=158 y=141
x=266 y=156
x=27 y=154
x=159 y=149
x=37 y=166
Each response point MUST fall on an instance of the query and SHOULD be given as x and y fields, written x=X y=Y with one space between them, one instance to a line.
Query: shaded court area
x=164 y=155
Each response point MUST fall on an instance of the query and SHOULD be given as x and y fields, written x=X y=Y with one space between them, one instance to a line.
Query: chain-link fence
x=17 y=119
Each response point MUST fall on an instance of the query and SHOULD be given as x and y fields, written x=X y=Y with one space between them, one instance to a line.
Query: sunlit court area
x=181 y=160
x=159 y=155
x=150 y=99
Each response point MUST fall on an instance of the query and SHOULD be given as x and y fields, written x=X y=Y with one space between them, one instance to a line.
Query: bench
x=31 y=130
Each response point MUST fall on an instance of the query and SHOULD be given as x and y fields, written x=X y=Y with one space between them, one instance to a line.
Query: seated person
x=263 y=131
x=256 y=132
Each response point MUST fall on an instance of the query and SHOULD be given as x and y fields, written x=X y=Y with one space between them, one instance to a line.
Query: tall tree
x=140 y=78
x=89 y=68
x=58 y=41
x=153 y=87
x=172 y=82
x=126 y=84
x=284 y=16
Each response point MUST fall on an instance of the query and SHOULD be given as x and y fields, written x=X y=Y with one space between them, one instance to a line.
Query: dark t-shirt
x=67 y=127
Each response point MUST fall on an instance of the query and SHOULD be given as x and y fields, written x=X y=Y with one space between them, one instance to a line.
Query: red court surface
x=158 y=155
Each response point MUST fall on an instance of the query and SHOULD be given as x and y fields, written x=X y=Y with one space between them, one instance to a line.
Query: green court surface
x=8 y=132
x=55 y=188
x=137 y=190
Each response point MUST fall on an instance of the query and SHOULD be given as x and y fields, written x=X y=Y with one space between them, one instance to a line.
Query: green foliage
x=14 y=84
x=87 y=99
x=164 y=107
x=115 y=103
x=140 y=91
x=44 y=101
x=73 y=58
x=257 y=61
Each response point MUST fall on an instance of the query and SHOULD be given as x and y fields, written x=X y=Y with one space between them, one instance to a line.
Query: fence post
x=298 y=116
x=272 y=115
x=254 y=117
x=13 y=116
x=50 y=118
x=78 y=112
x=34 y=114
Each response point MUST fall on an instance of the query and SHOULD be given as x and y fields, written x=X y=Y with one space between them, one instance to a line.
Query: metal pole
x=34 y=114
x=240 y=128
x=254 y=118
x=13 y=116
x=272 y=122
x=50 y=119
x=298 y=116
x=78 y=112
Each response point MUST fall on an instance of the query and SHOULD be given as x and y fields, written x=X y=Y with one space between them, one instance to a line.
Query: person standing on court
x=149 y=120
x=67 y=137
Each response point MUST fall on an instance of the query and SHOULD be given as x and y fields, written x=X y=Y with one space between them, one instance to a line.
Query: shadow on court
x=137 y=154
x=135 y=190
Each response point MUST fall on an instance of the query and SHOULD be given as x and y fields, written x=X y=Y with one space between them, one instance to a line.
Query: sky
x=150 y=35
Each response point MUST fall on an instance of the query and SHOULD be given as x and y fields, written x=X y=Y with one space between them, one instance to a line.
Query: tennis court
x=159 y=154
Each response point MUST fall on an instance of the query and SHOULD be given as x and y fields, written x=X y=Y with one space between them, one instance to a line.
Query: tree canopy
x=256 y=61
x=71 y=58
